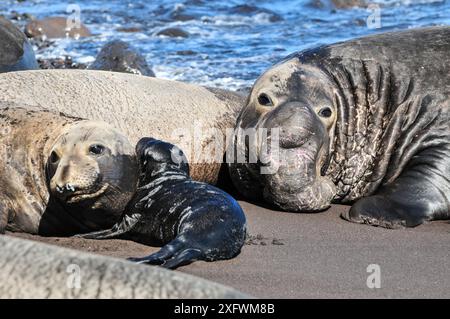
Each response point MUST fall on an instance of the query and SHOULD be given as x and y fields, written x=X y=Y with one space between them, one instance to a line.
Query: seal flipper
x=420 y=194
x=122 y=227
x=172 y=255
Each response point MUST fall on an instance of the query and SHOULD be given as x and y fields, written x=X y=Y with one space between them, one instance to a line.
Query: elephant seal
x=119 y=56
x=195 y=221
x=61 y=175
x=192 y=117
x=16 y=53
x=32 y=270
x=364 y=121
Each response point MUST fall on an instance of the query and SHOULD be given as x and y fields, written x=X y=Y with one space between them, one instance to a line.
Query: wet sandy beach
x=315 y=256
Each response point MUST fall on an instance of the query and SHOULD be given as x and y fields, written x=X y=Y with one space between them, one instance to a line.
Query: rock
x=119 y=56
x=36 y=270
x=248 y=9
x=14 y=15
x=16 y=53
x=186 y=52
x=178 y=14
x=173 y=33
x=346 y=4
x=53 y=28
x=65 y=62
x=337 y=4
x=129 y=29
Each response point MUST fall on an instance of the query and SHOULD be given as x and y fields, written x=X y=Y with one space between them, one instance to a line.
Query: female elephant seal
x=195 y=118
x=61 y=175
x=363 y=121
x=194 y=220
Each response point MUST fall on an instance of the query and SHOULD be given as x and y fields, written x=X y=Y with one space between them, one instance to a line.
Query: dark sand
x=316 y=256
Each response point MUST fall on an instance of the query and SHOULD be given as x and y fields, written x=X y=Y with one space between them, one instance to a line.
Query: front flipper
x=172 y=255
x=417 y=196
x=124 y=226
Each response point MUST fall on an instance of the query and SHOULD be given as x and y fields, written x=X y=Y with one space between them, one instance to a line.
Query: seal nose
x=65 y=188
x=296 y=123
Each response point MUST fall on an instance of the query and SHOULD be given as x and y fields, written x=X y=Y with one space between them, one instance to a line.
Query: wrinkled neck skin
x=365 y=144
x=383 y=121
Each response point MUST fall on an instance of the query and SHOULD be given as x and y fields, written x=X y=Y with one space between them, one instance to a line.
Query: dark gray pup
x=194 y=220
x=16 y=53
x=364 y=122
x=119 y=56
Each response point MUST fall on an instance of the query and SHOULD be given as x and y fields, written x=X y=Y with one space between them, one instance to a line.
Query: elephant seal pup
x=61 y=175
x=16 y=53
x=194 y=220
x=364 y=121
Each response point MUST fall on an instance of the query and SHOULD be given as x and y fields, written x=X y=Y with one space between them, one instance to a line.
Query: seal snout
x=65 y=188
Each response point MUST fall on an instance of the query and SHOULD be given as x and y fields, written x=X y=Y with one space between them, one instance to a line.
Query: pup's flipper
x=172 y=255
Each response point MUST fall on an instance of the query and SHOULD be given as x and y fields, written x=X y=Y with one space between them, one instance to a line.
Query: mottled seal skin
x=16 y=53
x=119 y=56
x=364 y=121
x=194 y=220
x=61 y=175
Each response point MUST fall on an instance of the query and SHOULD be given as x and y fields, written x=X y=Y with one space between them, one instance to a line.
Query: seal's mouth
x=81 y=196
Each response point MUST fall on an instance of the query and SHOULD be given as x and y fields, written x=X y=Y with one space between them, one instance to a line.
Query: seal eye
x=54 y=158
x=96 y=149
x=325 y=112
x=265 y=100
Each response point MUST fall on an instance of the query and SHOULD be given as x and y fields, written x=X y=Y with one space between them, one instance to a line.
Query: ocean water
x=230 y=42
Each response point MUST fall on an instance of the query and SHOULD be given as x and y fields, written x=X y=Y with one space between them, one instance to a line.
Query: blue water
x=230 y=48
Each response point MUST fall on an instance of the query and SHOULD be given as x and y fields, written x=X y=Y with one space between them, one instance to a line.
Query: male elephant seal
x=61 y=175
x=363 y=121
x=195 y=221
x=190 y=116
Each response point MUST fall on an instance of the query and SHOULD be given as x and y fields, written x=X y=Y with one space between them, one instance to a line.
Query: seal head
x=92 y=169
x=282 y=138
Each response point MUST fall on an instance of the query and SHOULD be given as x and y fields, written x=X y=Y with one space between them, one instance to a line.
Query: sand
x=315 y=256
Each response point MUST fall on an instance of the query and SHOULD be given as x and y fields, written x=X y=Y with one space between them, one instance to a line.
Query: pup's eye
x=96 y=149
x=265 y=100
x=325 y=112
x=54 y=158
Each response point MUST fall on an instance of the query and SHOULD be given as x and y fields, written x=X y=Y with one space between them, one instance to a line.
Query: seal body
x=193 y=117
x=364 y=121
x=195 y=221
x=61 y=175
x=16 y=53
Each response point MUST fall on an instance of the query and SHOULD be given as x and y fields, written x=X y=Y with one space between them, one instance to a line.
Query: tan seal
x=192 y=117
x=61 y=175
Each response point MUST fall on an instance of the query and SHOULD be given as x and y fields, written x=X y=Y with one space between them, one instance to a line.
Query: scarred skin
x=61 y=175
x=364 y=122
